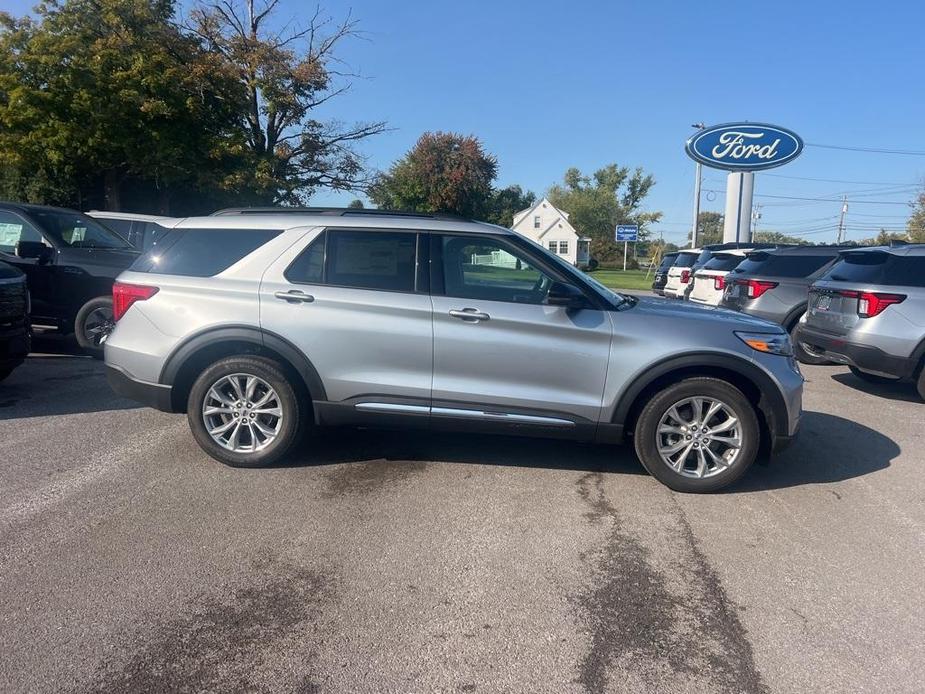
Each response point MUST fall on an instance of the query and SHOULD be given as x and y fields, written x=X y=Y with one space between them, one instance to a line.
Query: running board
x=511 y=417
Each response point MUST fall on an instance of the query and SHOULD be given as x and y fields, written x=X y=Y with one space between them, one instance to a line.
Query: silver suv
x=868 y=311
x=263 y=326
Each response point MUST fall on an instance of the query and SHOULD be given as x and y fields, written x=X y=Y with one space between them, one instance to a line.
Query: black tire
x=92 y=324
x=646 y=436
x=871 y=378
x=920 y=382
x=4 y=373
x=801 y=354
x=293 y=409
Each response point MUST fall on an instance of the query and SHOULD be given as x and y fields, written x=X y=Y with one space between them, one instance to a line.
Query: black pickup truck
x=14 y=319
x=70 y=262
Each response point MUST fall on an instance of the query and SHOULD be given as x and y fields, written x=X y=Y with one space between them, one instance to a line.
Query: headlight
x=770 y=343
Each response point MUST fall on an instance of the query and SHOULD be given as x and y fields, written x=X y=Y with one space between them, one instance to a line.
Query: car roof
x=690 y=250
x=261 y=219
x=735 y=252
x=906 y=249
x=29 y=207
x=804 y=250
x=131 y=216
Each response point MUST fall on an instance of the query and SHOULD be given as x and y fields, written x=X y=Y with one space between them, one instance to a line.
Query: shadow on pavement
x=900 y=390
x=57 y=379
x=828 y=449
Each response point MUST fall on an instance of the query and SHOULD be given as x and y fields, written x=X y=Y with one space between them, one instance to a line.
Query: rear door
x=500 y=351
x=355 y=303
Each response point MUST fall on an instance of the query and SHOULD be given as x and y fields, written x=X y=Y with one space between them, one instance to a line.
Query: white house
x=548 y=225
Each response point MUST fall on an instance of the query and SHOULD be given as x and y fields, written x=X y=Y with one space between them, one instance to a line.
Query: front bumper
x=154 y=395
x=863 y=357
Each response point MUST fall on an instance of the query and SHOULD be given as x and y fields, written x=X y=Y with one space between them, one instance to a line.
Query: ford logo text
x=744 y=146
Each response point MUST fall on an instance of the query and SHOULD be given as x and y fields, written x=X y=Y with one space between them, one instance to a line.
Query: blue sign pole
x=626 y=233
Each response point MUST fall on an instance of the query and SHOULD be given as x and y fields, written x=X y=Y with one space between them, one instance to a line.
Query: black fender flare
x=794 y=315
x=771 y=401
x=248 y=334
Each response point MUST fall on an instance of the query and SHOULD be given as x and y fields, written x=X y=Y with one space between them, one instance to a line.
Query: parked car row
x=862 y=307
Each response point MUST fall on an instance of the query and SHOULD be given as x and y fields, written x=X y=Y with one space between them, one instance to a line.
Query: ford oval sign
x=744 y=146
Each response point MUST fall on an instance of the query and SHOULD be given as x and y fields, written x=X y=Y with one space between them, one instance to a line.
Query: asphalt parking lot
x=132 y=562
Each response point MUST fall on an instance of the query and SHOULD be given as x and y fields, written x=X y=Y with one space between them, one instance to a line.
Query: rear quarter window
x=772 y=265
x=201 y=252
x=667 y=262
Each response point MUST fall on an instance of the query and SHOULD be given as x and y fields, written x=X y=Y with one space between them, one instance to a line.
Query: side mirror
x=31 y=249
x=561 y=294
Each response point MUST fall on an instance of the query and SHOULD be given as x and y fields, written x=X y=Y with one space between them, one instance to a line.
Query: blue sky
x=549 y=85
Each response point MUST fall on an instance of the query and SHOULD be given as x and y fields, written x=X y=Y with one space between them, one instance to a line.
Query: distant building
x=548 y=225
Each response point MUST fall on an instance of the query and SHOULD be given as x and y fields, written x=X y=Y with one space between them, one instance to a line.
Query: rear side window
x=358 y=259
x=723 y=262
x=773 y=265
x=879 y=268
x=685 y=260
x=201 y=252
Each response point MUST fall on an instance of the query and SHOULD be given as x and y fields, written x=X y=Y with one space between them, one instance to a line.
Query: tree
x=709 y=228
x=916 y=224
x=286 y=77
x=95 y=94
x=356 y=204
x=505 y=202
x=443 y=172
x=596 y=204
x=778 y=237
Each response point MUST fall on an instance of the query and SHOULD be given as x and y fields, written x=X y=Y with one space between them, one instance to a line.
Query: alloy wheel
x=242 y=413
x=98 y=325
x=699 y=437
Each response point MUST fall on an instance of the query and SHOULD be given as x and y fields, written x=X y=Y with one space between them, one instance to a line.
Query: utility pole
x=698 y=181
x=841 y=221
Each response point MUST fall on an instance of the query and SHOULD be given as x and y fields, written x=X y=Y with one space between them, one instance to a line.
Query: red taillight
x=685 y=276
x=872 y=304
x=756 y=288
x=719 y=283
x=124 y=295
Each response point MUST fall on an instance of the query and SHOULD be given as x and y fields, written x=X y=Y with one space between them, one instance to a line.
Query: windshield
x=77 y=231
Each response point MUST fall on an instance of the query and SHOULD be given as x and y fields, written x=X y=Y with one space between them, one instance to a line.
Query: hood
x=8 y=272
x=675 y=310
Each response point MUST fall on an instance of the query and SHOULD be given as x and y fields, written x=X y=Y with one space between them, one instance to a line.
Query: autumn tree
x=98 y=94
x=443 y=172
x=709 y=228
x=597 y=203
x=286 y=76
x=915 y=227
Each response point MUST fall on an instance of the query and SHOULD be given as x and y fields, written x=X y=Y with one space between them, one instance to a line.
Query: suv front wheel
x=697 y=435
x=244 y=412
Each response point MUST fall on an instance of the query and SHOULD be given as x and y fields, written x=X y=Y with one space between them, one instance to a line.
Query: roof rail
x=337 y=212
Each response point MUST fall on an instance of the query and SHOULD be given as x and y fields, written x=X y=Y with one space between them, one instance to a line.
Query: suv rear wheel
x=697 y=435
x=244 y=412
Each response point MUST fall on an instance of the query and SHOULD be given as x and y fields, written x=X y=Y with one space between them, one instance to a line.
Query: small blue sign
x=744 y=146
x=627 y=232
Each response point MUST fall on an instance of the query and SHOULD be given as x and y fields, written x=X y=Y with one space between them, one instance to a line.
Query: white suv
x=709 y=282
x=679 y=274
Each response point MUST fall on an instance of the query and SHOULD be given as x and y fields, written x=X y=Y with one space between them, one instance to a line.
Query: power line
x=795 y=197
x=838 y=180
x=874 y=150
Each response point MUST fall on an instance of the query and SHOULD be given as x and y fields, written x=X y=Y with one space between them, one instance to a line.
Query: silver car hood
x=721 y=317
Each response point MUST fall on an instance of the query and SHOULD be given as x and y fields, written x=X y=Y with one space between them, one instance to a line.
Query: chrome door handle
x=470 y=315
x=295 y=296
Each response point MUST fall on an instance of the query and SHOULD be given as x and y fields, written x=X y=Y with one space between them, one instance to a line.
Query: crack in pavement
x=655 y=626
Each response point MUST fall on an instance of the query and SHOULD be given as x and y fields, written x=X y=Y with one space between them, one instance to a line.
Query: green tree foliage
x=505 y=202
x=286 y=77
x=596 y=204
x=709 y=228
x=97 y=94
x=778 y=237
x=443 y=172
x=356 y=204
x=915 y=228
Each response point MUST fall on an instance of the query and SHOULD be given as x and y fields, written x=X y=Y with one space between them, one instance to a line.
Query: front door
x=39 y=271
x=500 y=349
x=354 y=302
